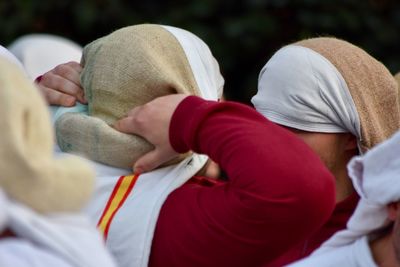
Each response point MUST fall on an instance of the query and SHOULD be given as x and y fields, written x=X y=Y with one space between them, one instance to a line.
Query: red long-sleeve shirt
x=278 y=192
x=338 y=220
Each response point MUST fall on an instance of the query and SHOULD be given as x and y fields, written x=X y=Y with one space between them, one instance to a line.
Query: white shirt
x=128 y=217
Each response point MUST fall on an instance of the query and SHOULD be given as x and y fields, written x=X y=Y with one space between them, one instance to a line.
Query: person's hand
x=61 y=85
x=151 y=121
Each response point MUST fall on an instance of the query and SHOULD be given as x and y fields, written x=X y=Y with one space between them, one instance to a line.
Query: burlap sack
x=125 y=69
x=29 y=173
x=372 y=87
x=397 y=78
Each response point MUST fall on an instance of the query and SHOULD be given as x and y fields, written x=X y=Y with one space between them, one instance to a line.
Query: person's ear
x=351 y=142
x=393 y=210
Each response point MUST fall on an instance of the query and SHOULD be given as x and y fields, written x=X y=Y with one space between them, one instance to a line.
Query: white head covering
x=10 y=57
x=3 y=211
x=301 y=89
x=40 y=53
x=375 y=177
x=204 y=66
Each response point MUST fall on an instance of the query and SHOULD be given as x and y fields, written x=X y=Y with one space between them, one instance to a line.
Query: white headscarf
x=376 y=178
x=301 y=89
x=40 y=53
x=204 y=66
x=10 y=57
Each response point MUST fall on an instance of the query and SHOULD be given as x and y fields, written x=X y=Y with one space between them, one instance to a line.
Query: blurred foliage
x=242 y=34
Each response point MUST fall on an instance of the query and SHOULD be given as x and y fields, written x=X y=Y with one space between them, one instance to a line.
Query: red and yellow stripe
x=120 y=192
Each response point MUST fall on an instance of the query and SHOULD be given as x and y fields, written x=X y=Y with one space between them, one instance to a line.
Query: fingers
x=151 y=121
x=75 y=65
x=57 y=98
x=128 y=124
x=152 y=160
x=70 y=71
x=60 y=81
x=63 y=86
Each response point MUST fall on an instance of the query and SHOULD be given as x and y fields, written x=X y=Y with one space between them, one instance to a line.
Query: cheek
x=314 y=143
x=325 y=149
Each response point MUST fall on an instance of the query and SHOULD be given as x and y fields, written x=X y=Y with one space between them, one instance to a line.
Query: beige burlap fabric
x=372 y=87
x=397 y=78
x=29 y=173
x=125 y=69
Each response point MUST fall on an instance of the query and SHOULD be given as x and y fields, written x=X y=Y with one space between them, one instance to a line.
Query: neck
x=383 y=251
x=344 y=186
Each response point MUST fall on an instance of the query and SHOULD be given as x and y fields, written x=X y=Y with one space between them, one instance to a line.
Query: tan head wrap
x=123 y=70
x=336 y=86
x=29 y=173
x=397 y=78
x=372 y=87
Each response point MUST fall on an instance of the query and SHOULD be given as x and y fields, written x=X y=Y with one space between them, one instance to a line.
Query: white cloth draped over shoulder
x=375 y=176
x=356 y=254
x=54 y=239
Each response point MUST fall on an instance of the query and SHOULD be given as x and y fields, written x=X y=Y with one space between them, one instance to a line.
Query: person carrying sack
x=341 y=102
x=171 y=215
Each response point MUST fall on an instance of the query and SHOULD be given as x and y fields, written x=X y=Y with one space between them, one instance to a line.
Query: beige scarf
x=29 y=173
x=397 y=78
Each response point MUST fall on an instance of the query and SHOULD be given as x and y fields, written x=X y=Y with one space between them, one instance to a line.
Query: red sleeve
x=278 y=192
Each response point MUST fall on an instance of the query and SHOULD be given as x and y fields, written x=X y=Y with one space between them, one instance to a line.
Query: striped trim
x=121 y=191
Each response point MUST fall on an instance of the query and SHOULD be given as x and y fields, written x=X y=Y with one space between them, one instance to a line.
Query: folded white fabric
x=376 y=179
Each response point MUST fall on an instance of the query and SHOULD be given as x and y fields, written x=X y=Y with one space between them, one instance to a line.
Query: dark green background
x=241 y=34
